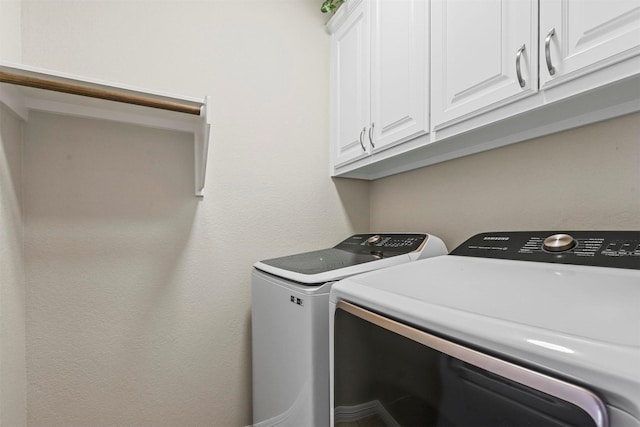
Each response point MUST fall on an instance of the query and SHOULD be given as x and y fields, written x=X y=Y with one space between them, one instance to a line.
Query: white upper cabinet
x=500 y=72
x=351 y=96
x=380 y=76
x=399 y=71
x=484 y=54
x=578 y=37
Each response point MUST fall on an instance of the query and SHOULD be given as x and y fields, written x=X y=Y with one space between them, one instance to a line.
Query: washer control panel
x=387 y=244
x=618 y=249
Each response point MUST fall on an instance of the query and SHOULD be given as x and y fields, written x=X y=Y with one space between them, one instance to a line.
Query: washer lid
x=357 y=254
x=321 y=261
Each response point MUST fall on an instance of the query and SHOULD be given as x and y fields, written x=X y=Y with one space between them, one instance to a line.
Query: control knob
x=374 y=239
x=559 y=243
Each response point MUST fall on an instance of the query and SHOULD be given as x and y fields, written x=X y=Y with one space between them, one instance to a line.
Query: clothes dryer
x=510 y=329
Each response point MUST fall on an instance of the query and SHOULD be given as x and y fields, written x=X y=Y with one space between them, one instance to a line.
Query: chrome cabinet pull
x=547 y=51
x=364 y=129
x=518 y=71
x=370 y=138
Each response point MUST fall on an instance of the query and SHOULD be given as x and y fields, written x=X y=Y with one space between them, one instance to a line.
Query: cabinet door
x=484 y=54
x=399 y=71
x=351 y=100
x=578 y=36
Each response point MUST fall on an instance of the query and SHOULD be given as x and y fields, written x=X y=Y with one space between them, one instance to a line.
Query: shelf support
x=201 y=147
x=74 y=89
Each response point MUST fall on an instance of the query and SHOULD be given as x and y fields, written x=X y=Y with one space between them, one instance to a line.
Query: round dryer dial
x=559 y=243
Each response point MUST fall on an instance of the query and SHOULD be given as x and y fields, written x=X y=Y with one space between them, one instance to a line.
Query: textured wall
x=13 y=384
x=138 y=304
x=11 y=30
x=586 y=178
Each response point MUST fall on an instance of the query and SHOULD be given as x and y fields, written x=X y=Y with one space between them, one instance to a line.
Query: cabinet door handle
x=370 y=138
x=518 y=71
x=364 y=129
x=547 y=51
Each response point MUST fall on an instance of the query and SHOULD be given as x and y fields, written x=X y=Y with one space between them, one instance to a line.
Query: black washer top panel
x=357 y=249
x=616 y=249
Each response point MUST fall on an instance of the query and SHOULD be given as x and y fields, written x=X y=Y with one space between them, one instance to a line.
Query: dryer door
x=393 y=374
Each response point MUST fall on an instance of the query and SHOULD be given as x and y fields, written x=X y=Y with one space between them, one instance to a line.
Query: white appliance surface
x=290 y=340
x=342 y=264
x=580 y=323
x=290 y=321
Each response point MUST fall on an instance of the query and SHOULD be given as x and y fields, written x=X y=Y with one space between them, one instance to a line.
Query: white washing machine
x=510 y=329
x=290 y=321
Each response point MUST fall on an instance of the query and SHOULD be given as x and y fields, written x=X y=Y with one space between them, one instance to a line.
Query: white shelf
x=108 y=101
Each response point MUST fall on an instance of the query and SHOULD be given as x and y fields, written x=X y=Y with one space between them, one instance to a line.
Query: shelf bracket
x=202 y=137
x=24 y=88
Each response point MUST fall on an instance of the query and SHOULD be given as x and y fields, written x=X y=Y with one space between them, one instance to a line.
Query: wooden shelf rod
x=92 y=92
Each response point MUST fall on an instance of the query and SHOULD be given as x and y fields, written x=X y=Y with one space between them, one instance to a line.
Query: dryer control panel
x=617 y=249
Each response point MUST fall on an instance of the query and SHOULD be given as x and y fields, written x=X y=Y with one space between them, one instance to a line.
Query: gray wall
x=13 y=383
x=138 y=299
x=11 y=30
x=586 y=178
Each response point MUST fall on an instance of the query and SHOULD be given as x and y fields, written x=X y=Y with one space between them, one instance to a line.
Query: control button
x=374 y=239
x=559 y=243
